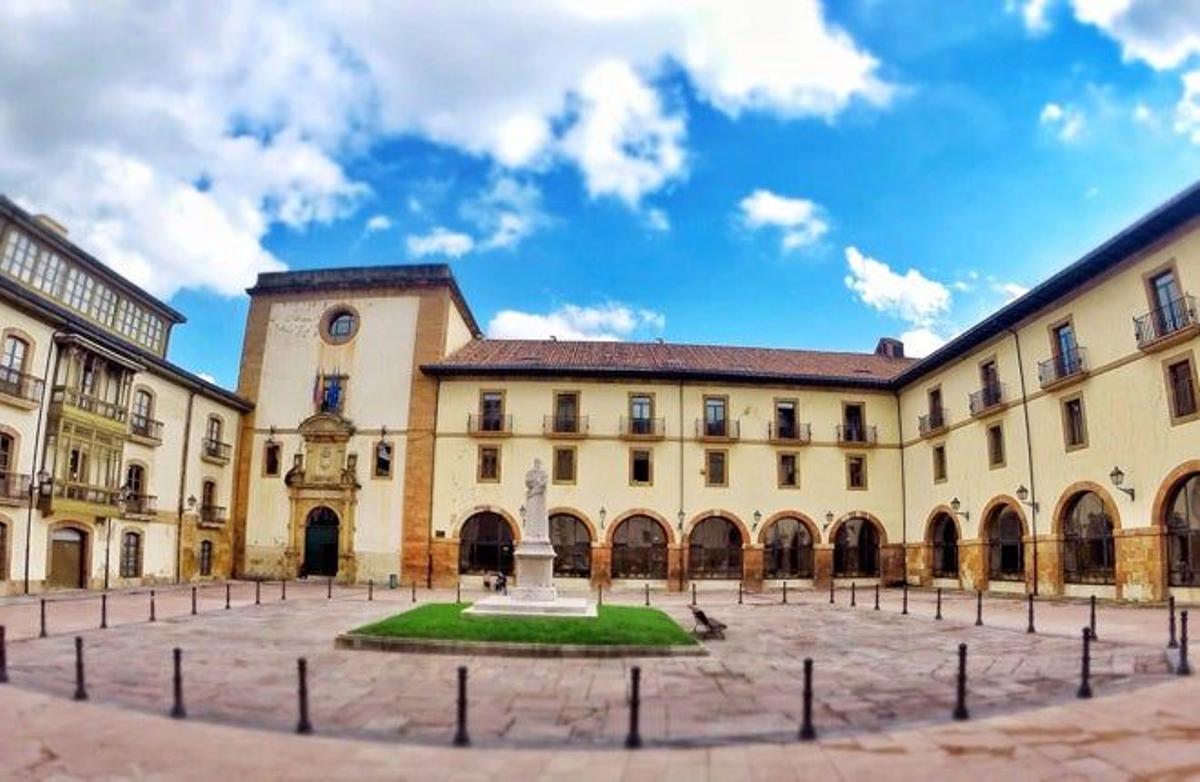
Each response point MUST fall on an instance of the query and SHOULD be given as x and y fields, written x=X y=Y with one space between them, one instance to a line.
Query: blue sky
x=915 y=166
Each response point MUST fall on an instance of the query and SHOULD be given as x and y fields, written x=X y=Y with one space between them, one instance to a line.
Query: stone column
x=920 y=563
x=1049 y=567
x=752 y=568
x=445 y=561
x=675 y=573
x=1141 y=563
x=972 y=565
x=601 y=565
x=822 y=564
x=891 y=564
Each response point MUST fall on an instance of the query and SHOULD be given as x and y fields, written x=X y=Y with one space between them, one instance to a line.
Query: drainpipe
x=903 y=488
x=682 y=549
x=1033 y=506
x=35 y=489
x=437 y=397
x=183 y=462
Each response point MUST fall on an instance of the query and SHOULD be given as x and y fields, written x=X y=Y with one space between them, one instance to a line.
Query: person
x=502 y=583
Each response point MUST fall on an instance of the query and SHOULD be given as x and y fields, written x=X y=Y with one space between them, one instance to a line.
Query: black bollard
x=3 y=657
x=414 y=590
x=693 y=593
x=371 y=591
x=303 y=726
x=193 y=601
x=1171 y=643
x=1185 y=669
x=42 y=632
x=853 y=595
x=960 y=701
x=904 y=610
x=329 y=588
x=938 y=615
x=461 y=739
x=647 y=594
x=283 y=588
x=634 y=739
x=1092 y=619
x=979 y=608
x=831 y=601
x=739 y=593
x=807 y=732
x=876 y=596
x=153 y=618
x=80 y=689
x=104 y=611
x=1085 y=673
x=177 y=710
x=1030 y=629
x=785 y=593
x=257 y=591
x=227 y=595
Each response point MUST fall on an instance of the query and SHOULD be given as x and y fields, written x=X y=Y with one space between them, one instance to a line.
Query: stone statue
x=537 y=525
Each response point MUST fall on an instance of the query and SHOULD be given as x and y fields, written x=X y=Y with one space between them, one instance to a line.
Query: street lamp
x=955 y=505
x=1118 y=478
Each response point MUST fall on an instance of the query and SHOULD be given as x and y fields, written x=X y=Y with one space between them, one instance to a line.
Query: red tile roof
x=666 y=361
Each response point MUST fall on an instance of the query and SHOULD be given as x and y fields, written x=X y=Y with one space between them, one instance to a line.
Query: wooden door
x=66 y=559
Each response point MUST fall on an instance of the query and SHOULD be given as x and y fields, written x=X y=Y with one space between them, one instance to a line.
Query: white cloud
x=800 y=220
x=440 y=241
x=1161 y=33
x=910 y=296
x=206 y=377
x=920 y=342
x=506 y=212
x=1033 y=14
x=607 y=322
x=1144 y=115
x=1187 y=111
x=657 y=220
x=1067 y=122
x=378 y=223
x=1010 y=290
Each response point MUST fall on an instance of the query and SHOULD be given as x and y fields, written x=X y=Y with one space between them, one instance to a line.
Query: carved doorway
x=321 y=543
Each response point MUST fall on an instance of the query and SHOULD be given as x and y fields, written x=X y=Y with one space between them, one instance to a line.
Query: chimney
x=889 y=347
x=46 y=221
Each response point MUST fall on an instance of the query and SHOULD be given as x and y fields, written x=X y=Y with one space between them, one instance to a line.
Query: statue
x=537 y=525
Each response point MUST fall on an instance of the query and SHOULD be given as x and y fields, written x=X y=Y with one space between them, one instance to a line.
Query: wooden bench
x=706 y=627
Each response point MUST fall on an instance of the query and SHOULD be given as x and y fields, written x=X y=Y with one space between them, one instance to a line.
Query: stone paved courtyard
x=875 y=671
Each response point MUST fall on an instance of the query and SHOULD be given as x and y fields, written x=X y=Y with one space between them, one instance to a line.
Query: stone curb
x=501 y=649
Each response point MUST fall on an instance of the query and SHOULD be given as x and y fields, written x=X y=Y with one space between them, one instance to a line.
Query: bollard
x=877 y=596
x=153 y=618
x=329 y=588
x=1185 y=669
x=177 y=710
x=371 y=591
x=647 y=594
x=42 y=632
x=739 y=593
x=283 y=588
x=3 y=657
x=1092 y=619
x=938 y=615
x=80 y=689
x=257 y=591
x=785 y=593
x=634 y=739
x=960 y=701
x=1085 y=673
x=853 y=595
x=831 y=590
x=104 y=611
x=227 y=595
x=414 y=590
x=904 y=610
x=461 y=739
x=1030 y=628
x=979 y=608
x=693 y=593
x=303 y=726
x=1171 y=643
x=807 y=732
x=193 y=601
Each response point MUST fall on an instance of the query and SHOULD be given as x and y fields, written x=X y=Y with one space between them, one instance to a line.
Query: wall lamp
x=828 y=520
x=603 y=515
x=1023 y=496
x=757 y=519
x=682 y=516
x=955 y=505
x=522 y=516
x=1118 y=478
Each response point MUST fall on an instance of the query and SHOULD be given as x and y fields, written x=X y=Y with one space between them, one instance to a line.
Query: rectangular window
x=854 y=421
x=271 y=457
x=332 y=396
x=856 y=472
x=1074 y=424
x=939 y=463
x=789 y=475
x=564 y=465
x=995 y=444
x=715 y=420
x=641 y=467
x=382 y=467
x=1181 y=389
x=19 y=256
x=641 y=414
x=489 y=464
x=785 y=420
x=491 y=411
x=716 y=468
x=566 y=412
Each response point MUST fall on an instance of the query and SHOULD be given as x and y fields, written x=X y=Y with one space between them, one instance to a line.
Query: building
x=116 y=466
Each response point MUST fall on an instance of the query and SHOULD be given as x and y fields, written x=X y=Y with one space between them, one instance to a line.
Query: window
x=716 y=464
x=8 y=449
x=566 y=412
x=936 y=418
x=135 y=480
x=641 y=414
x=331 y=396
x=215 y=428
x=715 y=416
x=572 y=546
x=1181 y=389
x=854 y=423
x=1005 y=546
x=989 y=377
x=3 y=551
x=382 y=466
x=19 y=256
x=1183 y=532
x=491 y=411
x=143 y=405
x=1067 y=359
x=995 y=445
x=485 y=545
x=856 y=549
x=789 y=475
x=785 y=420
x=944 y=537
x=78 y=290
x=1089 y=554
x=341 y=325
x=489 y=464
x=12 y=365
x=856 y=472
x=788 y=550
x=131 y=555
x=271 y=459
x=939 y=463
x=208 y=494
x=639 y=549
x=715 y=549
x=206 y=557
x=1074 y=424
x=1168 y=307
x=564 y=465
x=641 y=467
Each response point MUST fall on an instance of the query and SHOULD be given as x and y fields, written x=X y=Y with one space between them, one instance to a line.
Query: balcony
x=14 y=488
x=489 y=425
x=565 y=426
x=860 y=434
x=643 y=428
x=141 y=505
x=789 y=434
x=1065 y=368
x=933 y=422
x=94 y=406
x=723 y=431
x=1167 y=325
x=987 y=399
x=145 y=429
x=212 y=516
x=74 y=497
x=21 y=389
x=215 y=451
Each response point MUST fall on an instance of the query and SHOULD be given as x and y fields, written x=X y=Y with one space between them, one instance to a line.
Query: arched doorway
x=639 y=549
x=320 y=543
x=788 y=550
x=485 y=545
x=856 y=549
x=67 y=566
x=1005 y=547
x=572 y=546
x=715 y=549
x=1182 y=524
x=1089 y=556
x=943 y=540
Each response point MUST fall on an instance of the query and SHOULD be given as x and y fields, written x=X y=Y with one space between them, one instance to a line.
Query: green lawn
x=615 y=626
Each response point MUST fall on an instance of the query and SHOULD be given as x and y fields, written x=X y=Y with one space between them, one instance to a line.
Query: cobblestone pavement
x=875 y=671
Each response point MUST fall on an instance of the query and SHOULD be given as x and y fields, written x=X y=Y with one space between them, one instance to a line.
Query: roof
x=667 y=361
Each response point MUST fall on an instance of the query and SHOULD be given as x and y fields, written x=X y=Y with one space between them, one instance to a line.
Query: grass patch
x=615 y=626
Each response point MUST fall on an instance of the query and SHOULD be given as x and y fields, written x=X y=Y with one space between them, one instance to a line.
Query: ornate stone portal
x=325 y=477
x=534 y=593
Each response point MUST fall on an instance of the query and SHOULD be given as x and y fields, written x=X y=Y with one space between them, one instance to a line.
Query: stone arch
x=747 y=538
x=1167 y=487
x=789 y=514
x=1068 y=496
x=849 y=561
x=861 y=514
x=994 y=505
x=16 y=447
x=667 y=528
x=88 y=533
x=466 y=516
x=30 y=345
x=941 y=510
x=566 y=510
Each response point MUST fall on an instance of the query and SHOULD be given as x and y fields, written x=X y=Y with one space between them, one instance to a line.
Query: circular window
x=340 y=324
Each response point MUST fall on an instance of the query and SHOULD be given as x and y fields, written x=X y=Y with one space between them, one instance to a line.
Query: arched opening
x=639 y=549
x=1089 y=556
x=856 y=549
x=320 y=543
x=131 y=555
x=943 y=538
x=1005 y=547
x=572 y=546
x=1182 y=523
x=485 y=545
x=788 y=550
x=715 y=549
x=67 y=566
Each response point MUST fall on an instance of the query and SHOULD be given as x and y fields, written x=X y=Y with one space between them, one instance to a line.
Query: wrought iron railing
x=933 y=421
x=21 y=385
x=85 y=492
x=14 y=486
x=1061 y=366
x=787 y=561
x=141 y=505
x=489 y=423
x=1164 y=321
x=89 y=404
x=212 y=514
x=725 y=429
x=945 y=560
x=1089 y=560
x=990 y=396
x=565 y=424
x=859 y=434
x=789 y=433
x=1006 y=560
x=642 y=427
x=217 y=450
x=145 y=427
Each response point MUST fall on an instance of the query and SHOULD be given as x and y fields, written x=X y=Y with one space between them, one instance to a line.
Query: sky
x=801 y=173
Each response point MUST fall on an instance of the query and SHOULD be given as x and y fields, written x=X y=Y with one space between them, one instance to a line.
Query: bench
x=707 y=627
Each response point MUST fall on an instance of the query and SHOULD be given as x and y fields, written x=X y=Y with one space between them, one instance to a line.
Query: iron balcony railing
x=21 y=385
x=14 y=486
x=89 y=404
x=725 y=429
x=933 y=421
x=1164 y=321
x=85 y=492
x=145 y=427
x=212 y=514
x=1062 y=366
x=789 y=432
x=216 y=450
x=565 y=424
x=986 y=398
x=489 y=423
x=141 y=505
x=856 y=435
x=642 y=427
